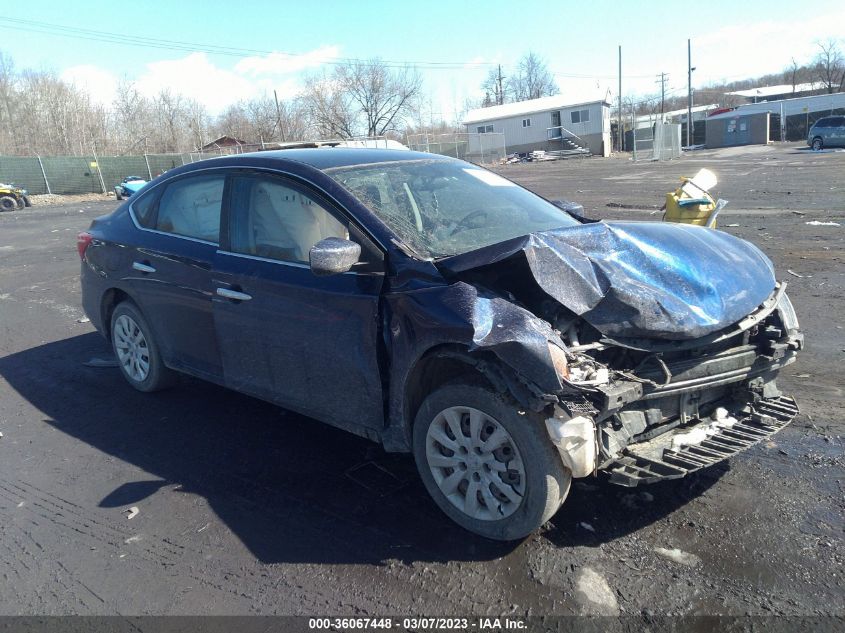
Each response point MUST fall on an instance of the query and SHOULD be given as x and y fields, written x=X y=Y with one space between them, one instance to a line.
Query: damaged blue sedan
x=437 y=308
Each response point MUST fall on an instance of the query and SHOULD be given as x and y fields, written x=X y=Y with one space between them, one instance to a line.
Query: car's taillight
x=83 y=240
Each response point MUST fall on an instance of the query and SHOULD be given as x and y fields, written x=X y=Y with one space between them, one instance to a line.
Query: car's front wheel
x=136 y=351
x=817 y=143
x=489 y=466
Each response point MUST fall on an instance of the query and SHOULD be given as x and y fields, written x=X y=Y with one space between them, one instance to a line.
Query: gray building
x=787 y=119
x=549 y=123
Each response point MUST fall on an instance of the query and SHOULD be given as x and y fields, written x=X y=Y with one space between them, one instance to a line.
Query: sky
x=228 y=51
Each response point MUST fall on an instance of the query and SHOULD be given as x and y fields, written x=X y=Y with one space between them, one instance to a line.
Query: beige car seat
x=192 y=210
x=285 y=224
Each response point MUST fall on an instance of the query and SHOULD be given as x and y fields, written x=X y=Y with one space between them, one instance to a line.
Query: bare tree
x=8 y=106
x=198 y=122
x=533 y=79
x=132 y=114
x=829 y=66
x=171 y=116
x=234 y=122
x=494 y=89
x=793 y=74
x=384 y=95
x=330 y=109
x=294 y=120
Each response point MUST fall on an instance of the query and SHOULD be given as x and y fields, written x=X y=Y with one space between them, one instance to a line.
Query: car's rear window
x=144 y=209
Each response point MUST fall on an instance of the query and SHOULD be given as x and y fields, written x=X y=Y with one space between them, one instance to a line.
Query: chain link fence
x=99 y=174
x=481 y=149
x=83 y=174
x=661 y=141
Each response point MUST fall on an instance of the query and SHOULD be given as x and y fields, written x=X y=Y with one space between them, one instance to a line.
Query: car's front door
x=305 y=342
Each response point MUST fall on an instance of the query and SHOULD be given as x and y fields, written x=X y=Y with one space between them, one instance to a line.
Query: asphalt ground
x=246 y=509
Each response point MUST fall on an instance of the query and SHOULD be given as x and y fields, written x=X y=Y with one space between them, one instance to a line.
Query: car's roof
x=328 y=157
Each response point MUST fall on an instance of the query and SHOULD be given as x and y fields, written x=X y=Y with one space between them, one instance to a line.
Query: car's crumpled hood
x=639 y=279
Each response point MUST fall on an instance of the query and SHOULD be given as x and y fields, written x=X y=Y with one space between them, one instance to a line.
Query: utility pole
x=662 y=80
x=689 y=94
x=500 y=96
x=621 y=128
x=279 y=117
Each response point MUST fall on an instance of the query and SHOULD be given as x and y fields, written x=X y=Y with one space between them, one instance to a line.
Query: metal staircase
x=571 y=145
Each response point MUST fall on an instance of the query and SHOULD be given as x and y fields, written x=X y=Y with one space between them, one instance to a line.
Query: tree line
x=40 y=113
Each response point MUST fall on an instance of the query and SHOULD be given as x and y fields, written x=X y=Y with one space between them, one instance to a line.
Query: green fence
x=84 y=174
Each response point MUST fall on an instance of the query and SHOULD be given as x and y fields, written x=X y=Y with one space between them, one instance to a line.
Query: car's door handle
x=234 y=295
x=142 y=268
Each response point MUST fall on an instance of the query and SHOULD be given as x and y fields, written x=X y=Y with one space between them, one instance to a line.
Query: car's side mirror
x=333 y=256
x=573 y=208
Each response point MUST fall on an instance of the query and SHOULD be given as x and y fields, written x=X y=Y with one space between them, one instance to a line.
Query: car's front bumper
x=658 y=459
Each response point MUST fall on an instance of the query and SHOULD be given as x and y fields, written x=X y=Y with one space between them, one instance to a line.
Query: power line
x=59 y=30
x=47 y=28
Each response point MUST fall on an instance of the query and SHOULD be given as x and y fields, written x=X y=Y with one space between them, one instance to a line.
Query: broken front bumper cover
x=656 y=460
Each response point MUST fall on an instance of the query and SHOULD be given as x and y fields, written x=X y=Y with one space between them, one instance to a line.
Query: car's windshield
x=445 y=207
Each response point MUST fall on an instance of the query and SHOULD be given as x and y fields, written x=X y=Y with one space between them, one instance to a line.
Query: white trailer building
x=550 y=123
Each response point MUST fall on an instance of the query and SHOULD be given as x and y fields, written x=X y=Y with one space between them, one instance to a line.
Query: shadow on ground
x=291 y=489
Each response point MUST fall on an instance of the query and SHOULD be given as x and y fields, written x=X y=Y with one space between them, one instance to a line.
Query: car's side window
x=273 y=218
x=144 y=209
x=191 y=207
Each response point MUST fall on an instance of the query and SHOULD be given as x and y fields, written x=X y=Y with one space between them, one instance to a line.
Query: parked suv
x=440 y=309
x=827 y=132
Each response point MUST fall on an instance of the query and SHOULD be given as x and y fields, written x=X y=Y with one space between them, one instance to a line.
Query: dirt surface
x=52 y=199
x=246 y=509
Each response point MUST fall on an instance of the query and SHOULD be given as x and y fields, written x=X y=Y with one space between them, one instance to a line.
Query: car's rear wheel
x=136 y=351
x=8 y=203
x=117 y=194
x=818 y=143
x=489 y=466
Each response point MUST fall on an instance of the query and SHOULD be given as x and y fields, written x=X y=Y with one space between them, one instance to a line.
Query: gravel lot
x=246 y=509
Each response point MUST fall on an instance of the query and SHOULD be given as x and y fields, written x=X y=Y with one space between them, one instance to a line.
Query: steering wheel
x=466 y=222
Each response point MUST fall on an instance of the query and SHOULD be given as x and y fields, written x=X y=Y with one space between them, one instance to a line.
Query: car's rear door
x=308 y=343
x=170 y=268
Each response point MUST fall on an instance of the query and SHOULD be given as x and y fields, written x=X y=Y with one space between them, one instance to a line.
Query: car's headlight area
x=787 y=313
x=559 y=361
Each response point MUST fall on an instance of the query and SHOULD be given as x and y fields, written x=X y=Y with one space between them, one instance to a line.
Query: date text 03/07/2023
x=417 y=623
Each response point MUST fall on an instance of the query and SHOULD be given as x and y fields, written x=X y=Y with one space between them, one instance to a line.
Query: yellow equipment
x=691 y=203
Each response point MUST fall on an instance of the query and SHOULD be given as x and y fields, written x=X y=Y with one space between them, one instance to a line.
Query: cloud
x=195 y=77
x=475 y=62
x=98 y=83
x=285 y=64
x=758 y=48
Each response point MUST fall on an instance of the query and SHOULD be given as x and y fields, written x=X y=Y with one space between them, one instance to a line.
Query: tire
x=117 y=194
x=27 y=202
x=8 y=203
x=519 y=482
x=136 y=351
x=817 y=144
